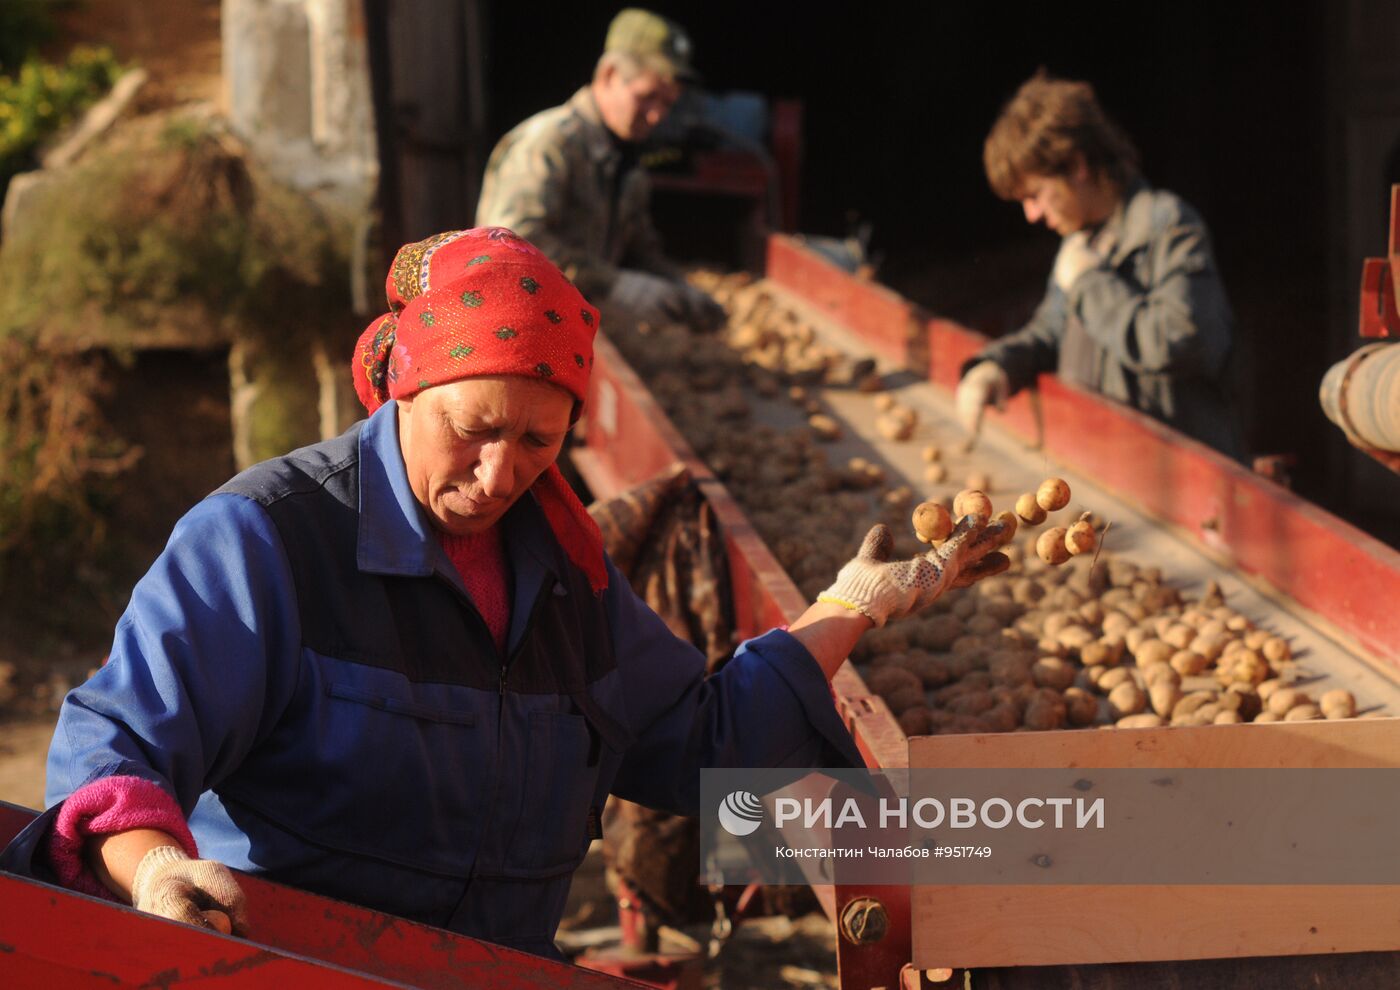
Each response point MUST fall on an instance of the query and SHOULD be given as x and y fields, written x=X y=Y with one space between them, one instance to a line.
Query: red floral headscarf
x=469 y=303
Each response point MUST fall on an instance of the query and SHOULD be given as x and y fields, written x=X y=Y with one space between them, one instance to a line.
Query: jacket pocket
x=366 y=762
x=563 y=762
x=399 y=706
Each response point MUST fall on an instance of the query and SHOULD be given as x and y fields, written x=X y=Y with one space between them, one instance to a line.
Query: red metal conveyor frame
x=1293 y=549
x=54 y=938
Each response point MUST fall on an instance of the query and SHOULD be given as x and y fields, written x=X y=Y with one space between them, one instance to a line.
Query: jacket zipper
x=545 y=591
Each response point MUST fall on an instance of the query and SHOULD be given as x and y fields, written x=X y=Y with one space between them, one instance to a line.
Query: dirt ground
x=24 y=740
x=761 y=953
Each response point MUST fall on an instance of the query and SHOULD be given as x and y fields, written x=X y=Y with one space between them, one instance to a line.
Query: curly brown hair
x=1045 y=127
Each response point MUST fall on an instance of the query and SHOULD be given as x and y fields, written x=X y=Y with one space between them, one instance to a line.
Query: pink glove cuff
x=112 y=804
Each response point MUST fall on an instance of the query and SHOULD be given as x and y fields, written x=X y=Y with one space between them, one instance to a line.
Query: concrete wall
x=297 y=89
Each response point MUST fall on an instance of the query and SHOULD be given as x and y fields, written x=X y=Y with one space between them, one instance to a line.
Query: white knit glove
x=170 y=884
x=650 y=298
x=985 y=384
x=702 y=311
x=1075 y=258
x=882 y=589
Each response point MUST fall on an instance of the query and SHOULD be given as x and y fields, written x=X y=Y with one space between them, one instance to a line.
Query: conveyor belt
x=627 y=440
x=1325 y=660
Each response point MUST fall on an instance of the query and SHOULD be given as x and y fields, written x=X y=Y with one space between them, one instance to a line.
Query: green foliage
x=41 y=98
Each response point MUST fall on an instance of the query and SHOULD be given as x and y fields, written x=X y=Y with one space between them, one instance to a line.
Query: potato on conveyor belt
x=1067 y=642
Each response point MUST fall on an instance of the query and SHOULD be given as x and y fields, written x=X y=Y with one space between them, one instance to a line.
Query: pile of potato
x=1046 y=647
x=1056 y=642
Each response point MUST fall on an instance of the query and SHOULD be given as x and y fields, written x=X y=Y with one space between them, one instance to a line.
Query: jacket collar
x=395 y=536
x=1130 y=226
x=600 y=142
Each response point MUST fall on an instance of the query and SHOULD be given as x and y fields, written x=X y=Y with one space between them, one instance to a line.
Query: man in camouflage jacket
x=568 y=179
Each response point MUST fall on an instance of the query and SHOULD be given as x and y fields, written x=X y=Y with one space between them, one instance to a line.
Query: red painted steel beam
x=627 y=438
x=1378 y=315
x=890 y=324
x=786 y=142
x=1325 y=565
x=50 y=936
x=1393 y=248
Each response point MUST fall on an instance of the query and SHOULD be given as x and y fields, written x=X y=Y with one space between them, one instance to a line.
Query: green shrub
x=41 y=98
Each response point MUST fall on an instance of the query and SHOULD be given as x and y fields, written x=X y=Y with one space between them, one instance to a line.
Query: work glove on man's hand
x=170 y=884
x=1075 y=258
x=882 y=589
x=650 y=298
x=985 y=384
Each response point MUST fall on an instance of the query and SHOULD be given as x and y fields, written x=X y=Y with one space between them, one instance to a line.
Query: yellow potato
x=1126 y=699
x=1052 y=672
x=1029 y=510
x=1080 y=538
x=1053 y=494
x=1145 y=720
x=932 y=523
x=1337 y=704
x=1007 y=521
x=1164 y=695
x=824 y=427
x=1050 y=547
x=972 y=502
x=1083 y=707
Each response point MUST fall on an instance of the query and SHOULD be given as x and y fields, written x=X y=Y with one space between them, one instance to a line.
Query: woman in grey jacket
x=1135 y=308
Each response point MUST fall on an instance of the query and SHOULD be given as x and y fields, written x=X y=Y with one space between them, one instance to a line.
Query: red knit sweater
x=481 y=561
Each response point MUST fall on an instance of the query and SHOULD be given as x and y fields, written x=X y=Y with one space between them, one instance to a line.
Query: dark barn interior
x=1246 y=110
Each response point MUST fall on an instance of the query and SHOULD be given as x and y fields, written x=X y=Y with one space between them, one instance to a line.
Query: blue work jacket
x=303 y=670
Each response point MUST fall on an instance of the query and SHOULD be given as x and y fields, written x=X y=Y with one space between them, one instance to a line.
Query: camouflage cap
x=661 y=43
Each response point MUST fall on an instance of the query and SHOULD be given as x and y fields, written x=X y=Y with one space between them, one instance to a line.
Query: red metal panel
x=13 y=818
x=877 y=964
x=786 y=142
x=392 y=948
x=52 y=938
x=624 y=425
x=888 y=323
x=878 y=736
x=1393 y=246
x=1379 y=317
x=45 y=930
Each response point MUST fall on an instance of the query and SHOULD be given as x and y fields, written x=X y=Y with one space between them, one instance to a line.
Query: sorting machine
x=1325 y=585
x=1328 y=587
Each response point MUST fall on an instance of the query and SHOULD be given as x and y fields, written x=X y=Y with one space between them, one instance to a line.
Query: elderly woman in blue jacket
x=398 y=669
